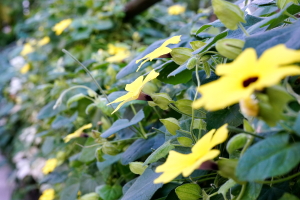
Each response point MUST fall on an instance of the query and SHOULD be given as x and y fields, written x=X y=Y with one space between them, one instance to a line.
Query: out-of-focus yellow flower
x=176 y=10
x=202 y=151
x=134 y=89
x=61 y=26
x=25 y=68
x=119 y=53
x=119 y=57
x=77 y=132
x=249 y=107
x=163 y=49
x=50 y=165
x=43 y=41
x=48 y=194
x=247 y=74
x=27 y=49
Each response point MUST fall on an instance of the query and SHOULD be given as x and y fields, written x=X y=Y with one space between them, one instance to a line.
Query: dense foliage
x=171 y=104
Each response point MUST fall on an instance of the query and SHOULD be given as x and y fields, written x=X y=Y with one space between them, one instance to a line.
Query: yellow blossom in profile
x=48 y=194
x=43 y=41
x=50 y=165
x=176 y=10
x=61 y=26
x=27 y=49
x=25 y=68
x=134 y=89
x=202 y=151
x=246 y=74
x=119 y=53
x=163 y=49
x=77 y=132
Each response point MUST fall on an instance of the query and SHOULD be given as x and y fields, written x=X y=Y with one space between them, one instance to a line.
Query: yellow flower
x=77 y=132
x=48 y=194
x=176 y=10
x=113 y=50
x=43 y=41
x=50 y=165
x=134 y=89
x=163 y=49
x=202 y=151
x=25 y=68
x=27 y=49
x=247 y=74
x=61 y=26
x=120 y=53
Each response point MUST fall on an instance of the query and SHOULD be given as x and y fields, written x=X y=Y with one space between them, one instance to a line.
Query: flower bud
x=137 y=167
x=110 y=149
x=191 y=63
x=230 y=48
x=171 y=124
x=236 y=142
x=249 y=107
x=228 y=13
x=184 y=105
x=161 y=100
x=99 y=154
x=90 y=196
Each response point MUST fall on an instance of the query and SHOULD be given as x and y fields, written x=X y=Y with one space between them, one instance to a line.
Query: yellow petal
x=25 y=68
x=278 y=55
x=27 y=49
x=121 y=104
x=61 y=26
x=176 y=10
x=50 y=165
x=122 y=98
x=43 y=41
x=135 y=85
x=163 y=49
x=152 y=75
x=208 y=156
x=77 y=132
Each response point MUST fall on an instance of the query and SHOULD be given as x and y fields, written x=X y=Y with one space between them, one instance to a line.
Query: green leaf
x=71 y=188
x=88 y=154
x=171 y=124
x=48 y=111
x=181 y=54
x=296 y=126
x=143 y=188
x=273 y=156
x=287 y=196
x=48 y=145
x=252 y=191
x=75 y=98
x=230 y=115
x=161 y=100
x=103 y=25
x=197 y=44
x=123 y=123
x=236 y=142
x=185 y=141
x=137 y=167
x=184 y=105
x=189 y=191
x=159 y=153
x=225 y=187
x=108 y=192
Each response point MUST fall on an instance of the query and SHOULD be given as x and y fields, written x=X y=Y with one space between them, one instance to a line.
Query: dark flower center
x=250 y=80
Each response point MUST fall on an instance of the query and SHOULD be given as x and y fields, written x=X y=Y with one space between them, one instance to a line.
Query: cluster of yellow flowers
x=50 y=165
x=176 y=10
x=119 y=53
x=48 y=194
x=77 y=133
x=239 y=80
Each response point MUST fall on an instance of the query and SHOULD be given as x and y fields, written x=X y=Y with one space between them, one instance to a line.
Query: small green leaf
x=89 y=108
x=90 y=196
x=181 y=54
x=75 y=98
x=159 y=153
x=236 y=142
x=199 y=124
x=99 y=154
x=88 y=154
x=191 y=63
x=252 y=191
x=108 y=192
x=171 y=124
x=185 y=141
x=189 y=191
x=184 y=105
x=197 y=44
x=287 y=196
x=162 y=100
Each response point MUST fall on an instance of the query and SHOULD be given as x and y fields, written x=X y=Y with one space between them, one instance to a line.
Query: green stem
x=159 y=116
x=290 y=15
x=213 y=194
x=279 y=180
x=89 y=73
x=243 y=29
x=144 y=135
x=242 y=192
x=247 y=145
x=157 y=130
x=238 y=130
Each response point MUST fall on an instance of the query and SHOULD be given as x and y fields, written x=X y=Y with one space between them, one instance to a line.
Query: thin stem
x=242 y=192
x=213 y=194
x=197 y=177
x=243 y=29
x=247 y=145
x=159 y=116
x=279 y=180
x=157 y=130
x=89 y=73
x=234 y=129
x=144 y=135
